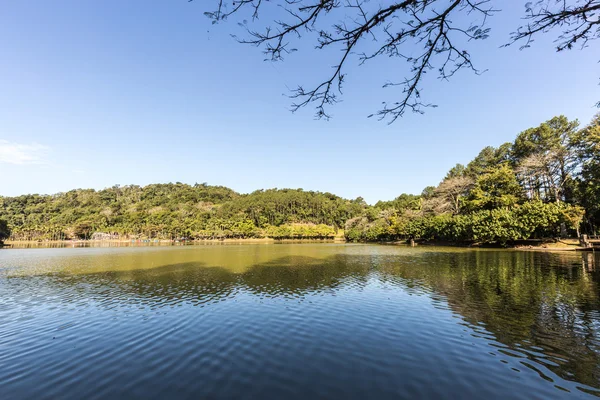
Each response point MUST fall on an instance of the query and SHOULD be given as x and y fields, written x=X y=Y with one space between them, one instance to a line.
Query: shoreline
x=157 y=242
x=536 y=245
x=541 y=245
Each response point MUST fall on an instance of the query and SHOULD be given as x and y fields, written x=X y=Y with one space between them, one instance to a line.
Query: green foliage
x=277 y=207
x=544 y=184
x=363 y=230
x=83 y=230
x=496 y=187
x=172 y=211
x=401 y=203
x=498 y=225
x=488 y=158
x=4 y=230
x=547 y=159
x=554 y=134
x=427 y=192
x=300 y=231
x=587 y=142
x=456 y=171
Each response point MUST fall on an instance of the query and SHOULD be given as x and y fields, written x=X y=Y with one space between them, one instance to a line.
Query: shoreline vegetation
x=171 y=242
x=545 y=184
x=559 y=245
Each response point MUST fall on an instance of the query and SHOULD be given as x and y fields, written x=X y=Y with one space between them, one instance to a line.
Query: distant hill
x=174 y=210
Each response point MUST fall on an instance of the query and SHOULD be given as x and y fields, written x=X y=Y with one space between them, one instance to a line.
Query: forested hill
x=546 y=183
x=177 y=210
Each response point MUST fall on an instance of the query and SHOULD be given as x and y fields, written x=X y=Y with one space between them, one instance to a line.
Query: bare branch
x=579 y=21
x=423 y=33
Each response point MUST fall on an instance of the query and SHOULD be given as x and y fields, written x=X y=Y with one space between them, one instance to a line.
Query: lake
x=298 y=321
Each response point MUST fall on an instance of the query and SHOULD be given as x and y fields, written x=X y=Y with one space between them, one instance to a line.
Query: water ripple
x=297 y=321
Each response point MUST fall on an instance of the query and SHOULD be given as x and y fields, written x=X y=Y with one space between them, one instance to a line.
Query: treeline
x=175 y=211
x=544 y=184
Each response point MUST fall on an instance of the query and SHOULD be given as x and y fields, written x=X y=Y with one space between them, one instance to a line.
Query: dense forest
x=544 y=184
x=176 y=211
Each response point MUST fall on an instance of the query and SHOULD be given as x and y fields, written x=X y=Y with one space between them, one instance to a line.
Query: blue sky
x=97 y=93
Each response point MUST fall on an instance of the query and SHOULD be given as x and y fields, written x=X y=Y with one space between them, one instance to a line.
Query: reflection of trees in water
x=299 y=275
x=588 y=261
x=544 y=306
x=193 y=282
x=196 y=283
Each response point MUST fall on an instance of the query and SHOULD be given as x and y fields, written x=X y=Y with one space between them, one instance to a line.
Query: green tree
x=497 y=187
x=401 y=203
x=587 y=142
x=83 y=230
x=487 y=158
x=457 y=171
x=4 y=231
x=546 y=158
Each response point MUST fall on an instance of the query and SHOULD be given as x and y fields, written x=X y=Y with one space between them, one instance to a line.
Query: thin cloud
x=22 y=154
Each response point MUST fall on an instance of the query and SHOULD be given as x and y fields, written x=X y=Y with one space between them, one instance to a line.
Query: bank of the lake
x=549 y=244
x=158 y=242
x=523 y=245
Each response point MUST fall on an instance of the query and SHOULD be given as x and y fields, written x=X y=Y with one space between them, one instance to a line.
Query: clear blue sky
x=97 y=93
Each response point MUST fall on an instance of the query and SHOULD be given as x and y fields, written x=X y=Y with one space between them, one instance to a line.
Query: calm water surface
x=302 y=321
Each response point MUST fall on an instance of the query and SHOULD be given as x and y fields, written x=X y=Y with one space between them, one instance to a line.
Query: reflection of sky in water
x=297 y=320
